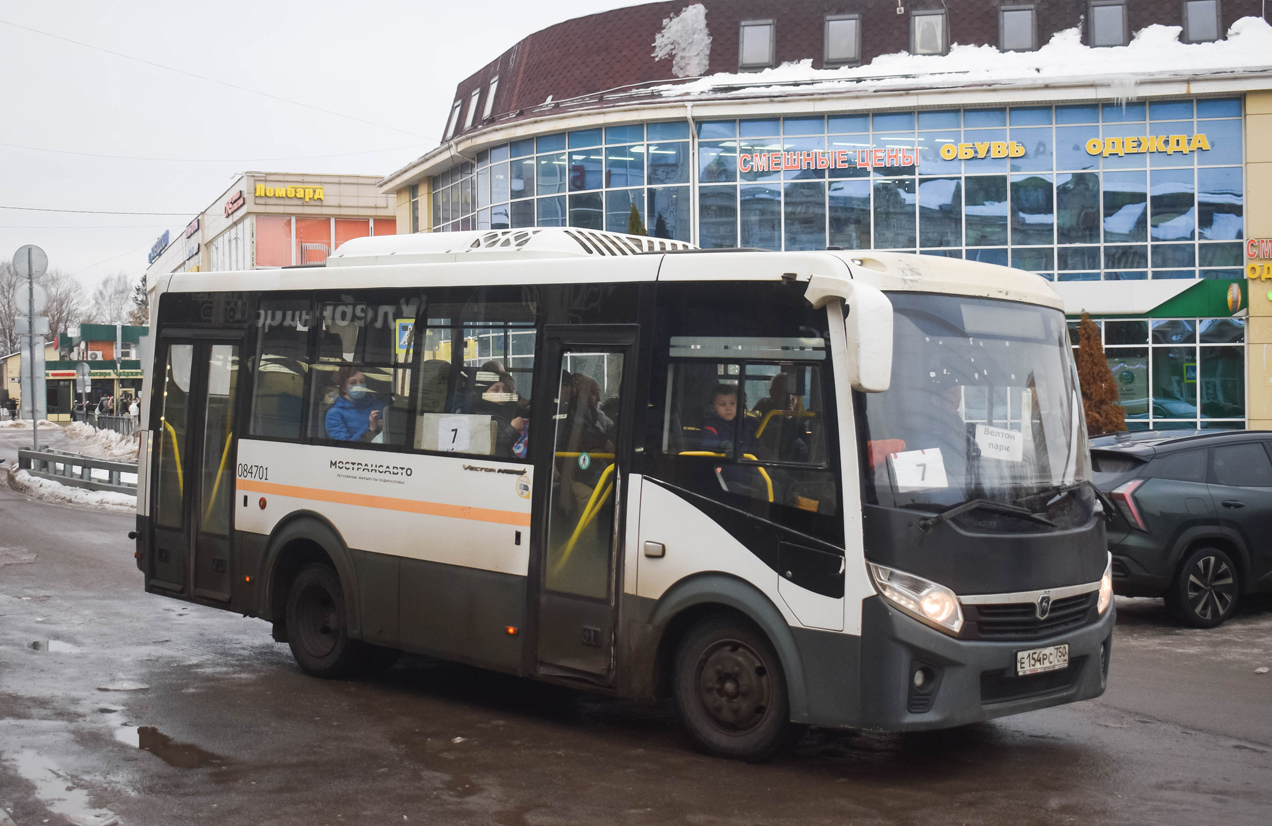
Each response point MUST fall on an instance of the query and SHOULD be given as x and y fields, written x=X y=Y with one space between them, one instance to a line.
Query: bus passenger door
x=193 y=486
x=581 y=495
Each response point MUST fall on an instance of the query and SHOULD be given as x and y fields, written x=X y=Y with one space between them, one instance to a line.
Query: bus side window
x=372 y=334
x=476 y=374
x=281 y=362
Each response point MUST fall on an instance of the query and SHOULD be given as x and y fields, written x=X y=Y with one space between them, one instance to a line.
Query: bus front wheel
x=731 y=691
x=317 y=628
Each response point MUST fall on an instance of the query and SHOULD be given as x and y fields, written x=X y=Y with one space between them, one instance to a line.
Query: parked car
x=1193 y=521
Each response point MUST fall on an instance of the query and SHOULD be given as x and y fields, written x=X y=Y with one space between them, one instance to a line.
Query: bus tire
x=317 y=625
x=731 y=691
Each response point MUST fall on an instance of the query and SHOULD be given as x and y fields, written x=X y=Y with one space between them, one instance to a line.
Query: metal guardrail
x=78 y=471
x=123 y=425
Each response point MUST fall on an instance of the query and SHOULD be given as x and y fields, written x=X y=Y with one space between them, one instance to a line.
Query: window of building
x=313 y=240
x=490 y=97
x=927 y=32
x=756 y=44
x=843 y=39
x=415 y=207
x=1177 y=373
x=453 y=121
x=1108 y=22
x=1201 y=21
x=273 y=241
x=473 y=99
x=1017 y=29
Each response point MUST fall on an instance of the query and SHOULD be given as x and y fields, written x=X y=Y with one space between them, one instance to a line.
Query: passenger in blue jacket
x=357 y=415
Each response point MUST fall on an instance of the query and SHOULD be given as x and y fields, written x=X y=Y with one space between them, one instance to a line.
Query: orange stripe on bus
x=388 y=503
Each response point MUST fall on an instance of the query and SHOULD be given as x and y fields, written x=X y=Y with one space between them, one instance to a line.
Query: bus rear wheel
x=731 y=691
x=317 y=628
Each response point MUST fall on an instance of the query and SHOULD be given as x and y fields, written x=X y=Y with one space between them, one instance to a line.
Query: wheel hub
x=734 y=686
x=1210 y=588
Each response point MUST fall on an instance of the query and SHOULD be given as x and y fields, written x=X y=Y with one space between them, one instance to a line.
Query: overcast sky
x=394 y=63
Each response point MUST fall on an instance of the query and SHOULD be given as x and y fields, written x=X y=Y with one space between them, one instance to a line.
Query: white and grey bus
x=784 y=489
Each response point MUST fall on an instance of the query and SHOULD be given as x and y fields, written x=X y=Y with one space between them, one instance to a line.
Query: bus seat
x=395 y=419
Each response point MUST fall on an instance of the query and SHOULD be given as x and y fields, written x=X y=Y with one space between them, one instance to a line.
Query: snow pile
x=25 y=424
x=54 y=492
x=685 y=39
x=101 y=444
x=1154 y=50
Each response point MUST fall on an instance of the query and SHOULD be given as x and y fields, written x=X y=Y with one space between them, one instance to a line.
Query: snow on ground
x=1155 y=49
x=54 y=492
x=100 y=444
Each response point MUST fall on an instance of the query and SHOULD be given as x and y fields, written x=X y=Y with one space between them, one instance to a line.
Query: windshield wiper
x=984 y=504
x=1056 y=491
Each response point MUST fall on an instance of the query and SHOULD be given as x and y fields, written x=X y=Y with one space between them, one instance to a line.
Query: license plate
x=1038 y=660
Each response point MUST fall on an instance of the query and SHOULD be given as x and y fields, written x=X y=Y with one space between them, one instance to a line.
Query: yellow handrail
x=751 y=456
x=599 y=494
x=763 y=473
x=176 y=457
x=220 y=471
x=802 y=414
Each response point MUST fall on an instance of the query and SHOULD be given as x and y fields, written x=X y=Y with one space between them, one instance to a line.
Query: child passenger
x=720 y=427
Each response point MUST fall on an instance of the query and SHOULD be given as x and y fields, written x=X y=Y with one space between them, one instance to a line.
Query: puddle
x=180 y=755
x=55 y=646
x=123 y=685
x=16 y=556
x=55 y=790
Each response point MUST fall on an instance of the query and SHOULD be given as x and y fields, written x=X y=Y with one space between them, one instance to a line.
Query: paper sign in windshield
x=453 y=435
x=918 y=470
x=995 y=443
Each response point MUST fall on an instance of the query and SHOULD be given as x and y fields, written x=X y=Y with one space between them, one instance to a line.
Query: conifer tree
x=635 y=226
x=1099 y=389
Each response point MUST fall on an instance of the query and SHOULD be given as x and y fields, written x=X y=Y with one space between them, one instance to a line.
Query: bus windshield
x=983 y=405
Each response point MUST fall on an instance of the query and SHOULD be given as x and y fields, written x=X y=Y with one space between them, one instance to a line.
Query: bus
x=782 y=489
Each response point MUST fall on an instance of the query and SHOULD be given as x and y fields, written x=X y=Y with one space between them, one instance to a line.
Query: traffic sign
x=24 y=326
x=30 y=261
x=38 y=297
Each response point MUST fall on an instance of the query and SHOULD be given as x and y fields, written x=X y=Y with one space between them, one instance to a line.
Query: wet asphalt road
x=228 y=731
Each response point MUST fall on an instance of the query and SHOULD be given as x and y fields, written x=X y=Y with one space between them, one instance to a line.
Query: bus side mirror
x=868 y=324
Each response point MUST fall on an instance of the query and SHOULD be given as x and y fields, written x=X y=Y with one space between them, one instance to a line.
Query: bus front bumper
x=966 y=681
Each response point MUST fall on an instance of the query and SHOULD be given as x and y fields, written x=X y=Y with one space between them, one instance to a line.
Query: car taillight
x=1126 y=502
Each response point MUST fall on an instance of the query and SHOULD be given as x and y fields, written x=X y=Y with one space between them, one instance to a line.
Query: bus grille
x=1003 y=687
x=1019 y=621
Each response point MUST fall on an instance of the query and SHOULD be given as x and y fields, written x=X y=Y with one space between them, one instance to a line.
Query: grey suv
x=1193 y=519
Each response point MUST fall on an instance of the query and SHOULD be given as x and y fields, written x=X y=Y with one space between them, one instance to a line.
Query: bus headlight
x=926 y=601
x=1106 y=588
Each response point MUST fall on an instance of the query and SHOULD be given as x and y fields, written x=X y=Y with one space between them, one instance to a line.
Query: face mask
x=357 y=392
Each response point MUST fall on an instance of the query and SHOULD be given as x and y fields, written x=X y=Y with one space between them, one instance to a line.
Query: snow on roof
x=1155 y=49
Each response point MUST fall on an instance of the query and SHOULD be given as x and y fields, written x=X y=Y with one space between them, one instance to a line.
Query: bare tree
x=9 y=311
x=140 y=312
x=111 y=299
x=68 y=305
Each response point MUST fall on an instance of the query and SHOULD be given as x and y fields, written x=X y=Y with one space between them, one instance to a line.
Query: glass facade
x=1056 y=208
x=588 y=178
x=1071 y=192
x=1177 y=373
